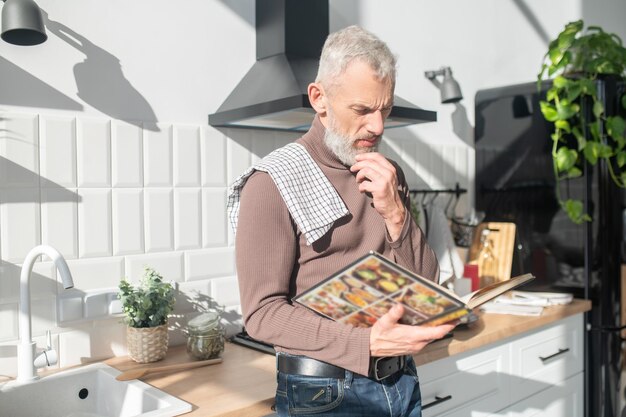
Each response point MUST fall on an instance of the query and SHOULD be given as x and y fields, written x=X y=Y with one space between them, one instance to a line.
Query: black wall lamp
x=22 y=23
x=449 y=87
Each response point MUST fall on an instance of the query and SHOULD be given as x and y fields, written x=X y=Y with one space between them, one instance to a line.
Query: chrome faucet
x=27 y=363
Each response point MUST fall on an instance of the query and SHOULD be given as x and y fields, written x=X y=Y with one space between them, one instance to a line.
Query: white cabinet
x=538 y=373
x=478 y=381
x=562 y=399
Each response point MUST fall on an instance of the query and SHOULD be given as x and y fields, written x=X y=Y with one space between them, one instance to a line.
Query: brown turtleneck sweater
x=274 y=262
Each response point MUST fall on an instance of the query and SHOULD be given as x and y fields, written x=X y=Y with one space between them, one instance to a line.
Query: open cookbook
x=367 y=288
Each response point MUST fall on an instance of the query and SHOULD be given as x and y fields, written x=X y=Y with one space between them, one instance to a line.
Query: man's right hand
x=389 y=338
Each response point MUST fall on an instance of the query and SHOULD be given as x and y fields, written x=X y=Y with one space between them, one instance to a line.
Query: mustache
x=367 y=137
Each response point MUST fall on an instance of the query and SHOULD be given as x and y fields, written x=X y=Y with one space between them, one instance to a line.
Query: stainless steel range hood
x=290 y=35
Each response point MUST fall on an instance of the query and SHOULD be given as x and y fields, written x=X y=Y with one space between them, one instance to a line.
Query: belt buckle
x=400 y=360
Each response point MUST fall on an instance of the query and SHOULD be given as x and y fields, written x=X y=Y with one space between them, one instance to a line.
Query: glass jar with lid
x=205 y=336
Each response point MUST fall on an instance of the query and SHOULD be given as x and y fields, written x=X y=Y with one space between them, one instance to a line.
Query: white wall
x=105 y=152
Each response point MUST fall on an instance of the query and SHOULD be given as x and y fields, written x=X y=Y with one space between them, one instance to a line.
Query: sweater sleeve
x=411 y=250
x=266 y=246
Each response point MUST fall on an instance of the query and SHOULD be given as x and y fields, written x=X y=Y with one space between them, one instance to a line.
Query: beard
x=344 y=146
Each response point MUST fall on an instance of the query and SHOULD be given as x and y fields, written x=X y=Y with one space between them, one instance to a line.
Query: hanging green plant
x=576 y=59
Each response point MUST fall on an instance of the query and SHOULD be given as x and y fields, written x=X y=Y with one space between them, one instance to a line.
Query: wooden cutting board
x=501 y=237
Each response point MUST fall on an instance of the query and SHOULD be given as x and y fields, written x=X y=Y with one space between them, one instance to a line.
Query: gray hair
x=354 y=43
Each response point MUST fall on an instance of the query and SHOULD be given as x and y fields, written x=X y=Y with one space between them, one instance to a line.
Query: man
x=313 y=207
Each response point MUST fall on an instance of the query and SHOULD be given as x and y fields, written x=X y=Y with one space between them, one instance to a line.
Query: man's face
x=357 y=106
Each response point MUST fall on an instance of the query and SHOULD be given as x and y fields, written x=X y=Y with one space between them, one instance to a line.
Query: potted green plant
x=576 y=59
x=146 y=308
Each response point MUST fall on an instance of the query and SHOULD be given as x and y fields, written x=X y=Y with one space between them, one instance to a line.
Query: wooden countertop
x=243 y=385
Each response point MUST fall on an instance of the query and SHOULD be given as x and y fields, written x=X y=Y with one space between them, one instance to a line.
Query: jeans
x=395 y=396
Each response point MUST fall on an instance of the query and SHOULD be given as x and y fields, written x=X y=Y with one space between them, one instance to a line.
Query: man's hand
x=377 y=176
x=388 y=338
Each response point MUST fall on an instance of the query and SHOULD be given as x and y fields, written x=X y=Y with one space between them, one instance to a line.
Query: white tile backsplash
x=94 y=222
x=93 y=145
x=127 y=155
x=213 y=161
x=57 y=151
x=158 y=219
x=169 y=265
x=209 y=263
x=91 y=274
x=186 y=156
x=128 y=236
x=43 y=316
x=59 y=220
x=19 y=222
x=187 y=218
x=8 y=321
x=70 y=306
x=157 y=150
x=238 y=154
x=124 y=197
x=214 y=219
x=226 y=290
x=19 y=142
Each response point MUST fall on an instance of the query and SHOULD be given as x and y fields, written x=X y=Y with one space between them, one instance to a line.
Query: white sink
x=89 y=391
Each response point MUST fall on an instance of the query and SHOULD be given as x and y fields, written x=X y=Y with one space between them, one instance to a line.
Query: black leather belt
x=380 y=368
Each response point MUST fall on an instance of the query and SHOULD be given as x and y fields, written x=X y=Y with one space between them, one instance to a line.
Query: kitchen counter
x=243 y=385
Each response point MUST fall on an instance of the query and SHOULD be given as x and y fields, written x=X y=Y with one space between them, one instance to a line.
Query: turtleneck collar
x=313 y=141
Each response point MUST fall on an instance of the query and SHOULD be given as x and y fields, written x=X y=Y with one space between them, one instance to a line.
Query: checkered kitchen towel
x=311 y=199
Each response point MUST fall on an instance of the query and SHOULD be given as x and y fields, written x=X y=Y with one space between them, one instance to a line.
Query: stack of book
x=526 y=303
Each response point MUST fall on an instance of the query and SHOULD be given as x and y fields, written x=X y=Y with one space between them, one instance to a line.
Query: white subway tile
x=42 y=281
x=43 y=316
x=127 y=221
x=93 y=146
x=213 y=145
x=8 y=322
x=109 y=339
x=57 y=151
x=158 y=203
x=225 y=291
x=92 y=274
x=127 y=155
x=209 y=263
x=238 y=153
x=186 y=156
x=75 y=346
x=19 y=146
x=9 y=282
x=169 y=265
x=8 y=358
x=70 y=306
x=20 y=228
x=214 y=218
x=193 y=296
x=187 y=218
x=94 y=222
x=157 y=148
x=59 y=220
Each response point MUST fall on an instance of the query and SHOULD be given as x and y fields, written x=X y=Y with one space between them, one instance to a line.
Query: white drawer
x=564 y=399
x=477 y=380
x=546 y=357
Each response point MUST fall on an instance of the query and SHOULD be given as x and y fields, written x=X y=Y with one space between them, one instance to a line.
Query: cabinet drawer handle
x=438 y=400
x=560 y=352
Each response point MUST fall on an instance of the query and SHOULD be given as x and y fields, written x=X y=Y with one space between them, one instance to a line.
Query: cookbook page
x=365 y=290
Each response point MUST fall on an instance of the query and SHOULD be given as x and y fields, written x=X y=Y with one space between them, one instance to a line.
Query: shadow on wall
x=16 y=175
x=461 y=125
x=191 y=304
x=29 y=91
x=101 y=82
x=532 y=19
